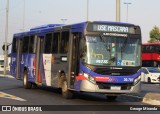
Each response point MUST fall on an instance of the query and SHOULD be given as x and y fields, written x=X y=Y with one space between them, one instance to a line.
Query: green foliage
x=155 y=34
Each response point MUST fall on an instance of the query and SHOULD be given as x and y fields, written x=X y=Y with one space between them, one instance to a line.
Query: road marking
x=9 y=96
x=7 y=76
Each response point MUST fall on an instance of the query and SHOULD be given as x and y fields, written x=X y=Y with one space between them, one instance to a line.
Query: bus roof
x=154 y=43
x=116 y=23
x=45 y=26
x=74 y=27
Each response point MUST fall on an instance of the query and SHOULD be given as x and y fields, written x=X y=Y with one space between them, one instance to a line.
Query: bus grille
x=108 y=86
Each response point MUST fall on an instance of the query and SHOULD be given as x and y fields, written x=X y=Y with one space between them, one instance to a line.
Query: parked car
x=150 y=75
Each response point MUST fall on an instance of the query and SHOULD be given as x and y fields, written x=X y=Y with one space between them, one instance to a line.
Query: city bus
x=151 y=54
x=96 y=57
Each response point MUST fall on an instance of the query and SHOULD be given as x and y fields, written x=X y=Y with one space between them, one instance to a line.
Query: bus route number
x=128 y=79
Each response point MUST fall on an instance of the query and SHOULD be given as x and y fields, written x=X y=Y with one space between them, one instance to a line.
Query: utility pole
x=87 y=9
x=118 y=10
x=24 y=15
x=127 y=10
x=6 y=36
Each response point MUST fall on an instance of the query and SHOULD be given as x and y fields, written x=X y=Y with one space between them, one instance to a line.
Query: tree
x=155 y=34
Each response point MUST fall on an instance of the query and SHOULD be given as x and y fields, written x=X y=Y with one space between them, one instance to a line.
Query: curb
x=152 y=99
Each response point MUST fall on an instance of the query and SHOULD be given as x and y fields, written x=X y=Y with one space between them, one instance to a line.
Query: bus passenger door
x=19 y=58
x=73 y=63
x=39 y=61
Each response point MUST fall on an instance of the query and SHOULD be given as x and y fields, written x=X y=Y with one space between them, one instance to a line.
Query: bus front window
x=110 y=51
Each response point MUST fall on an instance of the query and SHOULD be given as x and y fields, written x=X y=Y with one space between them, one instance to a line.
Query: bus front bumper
x=105 y=88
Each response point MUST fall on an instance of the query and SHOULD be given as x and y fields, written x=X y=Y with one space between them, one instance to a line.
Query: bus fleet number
x=128 y=79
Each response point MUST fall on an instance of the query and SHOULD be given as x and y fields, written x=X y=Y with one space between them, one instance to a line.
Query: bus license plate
x=115 y=87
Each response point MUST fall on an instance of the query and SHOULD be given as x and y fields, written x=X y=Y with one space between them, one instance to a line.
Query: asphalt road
x=12 y=93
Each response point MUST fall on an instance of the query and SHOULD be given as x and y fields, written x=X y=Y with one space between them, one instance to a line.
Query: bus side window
x=64 y=42
x=55 y=43
x=158 y=49
x=14 y=45
x=148 y=49
x=25 y=44
x=152 y=48
x=143 y=48
x=31 y=44
x=48 y=43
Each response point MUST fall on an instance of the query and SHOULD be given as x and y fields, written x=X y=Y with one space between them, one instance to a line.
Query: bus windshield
x=111 y=51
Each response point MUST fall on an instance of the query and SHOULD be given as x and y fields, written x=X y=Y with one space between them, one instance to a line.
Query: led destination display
x=111 y=28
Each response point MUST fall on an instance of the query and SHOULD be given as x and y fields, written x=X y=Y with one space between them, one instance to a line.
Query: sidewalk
x=152 y=99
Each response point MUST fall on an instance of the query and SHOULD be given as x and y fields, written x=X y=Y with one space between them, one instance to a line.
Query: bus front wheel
x=26 y=83
x=65 y=92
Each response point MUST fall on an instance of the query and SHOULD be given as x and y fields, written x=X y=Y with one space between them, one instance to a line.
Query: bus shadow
x=103 y=98
x=11 y=88
x=90 y=96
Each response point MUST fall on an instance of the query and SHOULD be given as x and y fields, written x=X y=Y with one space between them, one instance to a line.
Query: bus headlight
x=137 y=80
x=89 y=77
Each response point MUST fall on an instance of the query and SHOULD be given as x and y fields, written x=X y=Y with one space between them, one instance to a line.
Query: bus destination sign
x=110 y=28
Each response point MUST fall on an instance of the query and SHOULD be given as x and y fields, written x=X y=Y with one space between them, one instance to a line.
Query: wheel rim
x=25 y=79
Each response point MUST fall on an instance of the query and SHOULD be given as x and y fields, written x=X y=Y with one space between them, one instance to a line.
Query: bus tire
x=149 y=80
x=111 y=98
x=67 y=94
x=26 y=83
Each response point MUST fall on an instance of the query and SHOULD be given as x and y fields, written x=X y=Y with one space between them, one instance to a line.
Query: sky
x=144 y=13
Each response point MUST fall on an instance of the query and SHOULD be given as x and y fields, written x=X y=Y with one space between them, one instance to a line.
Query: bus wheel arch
x=67 y=94
x=26 y=83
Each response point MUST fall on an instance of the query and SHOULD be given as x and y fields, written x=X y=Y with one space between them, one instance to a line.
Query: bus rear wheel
x=67 y=94
x=26 y=83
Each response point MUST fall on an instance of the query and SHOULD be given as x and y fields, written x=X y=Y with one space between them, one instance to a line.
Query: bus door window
x=75 y=57
x=32 y=44
x=48 y=44
x=55 y=43
x=39 y=51
x=41 y=44
x=13 y=59
x=32 y=50
x=19 y=58
x=64 y=42
x=14 y=45
x=25 y=44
